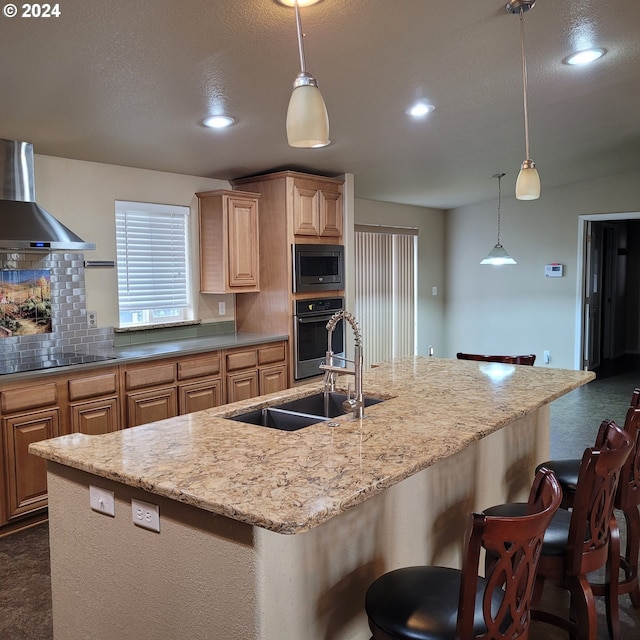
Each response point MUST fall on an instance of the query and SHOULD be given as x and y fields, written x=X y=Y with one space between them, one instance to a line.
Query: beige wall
x=82 y=195
x=431 y=245
x=516 y=309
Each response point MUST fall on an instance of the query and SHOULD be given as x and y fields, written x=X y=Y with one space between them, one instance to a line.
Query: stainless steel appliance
x=310 y=334
x=318 y=267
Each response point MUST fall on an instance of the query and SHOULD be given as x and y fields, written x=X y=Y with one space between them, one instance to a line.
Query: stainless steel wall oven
x=310 y=334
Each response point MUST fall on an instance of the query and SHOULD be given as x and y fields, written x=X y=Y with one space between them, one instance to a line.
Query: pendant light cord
x=300 y=45
x=499 y=176
x=524 y=84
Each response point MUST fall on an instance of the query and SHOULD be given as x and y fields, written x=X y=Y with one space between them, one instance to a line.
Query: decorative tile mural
x=25 y=302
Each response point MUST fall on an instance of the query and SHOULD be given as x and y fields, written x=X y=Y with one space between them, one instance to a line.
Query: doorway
x=610 y=294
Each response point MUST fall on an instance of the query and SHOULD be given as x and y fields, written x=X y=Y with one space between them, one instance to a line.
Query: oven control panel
x=319 y=305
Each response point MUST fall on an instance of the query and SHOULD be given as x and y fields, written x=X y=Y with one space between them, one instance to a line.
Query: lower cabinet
x=150 y=406
x=26 y=475
x=95 y=417
x=273 y=379
x=242 y=385
x=198 y=396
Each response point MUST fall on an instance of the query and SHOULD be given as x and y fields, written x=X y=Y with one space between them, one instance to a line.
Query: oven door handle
x=312 y=319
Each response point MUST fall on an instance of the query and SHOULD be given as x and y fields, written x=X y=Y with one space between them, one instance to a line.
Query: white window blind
x=386 y=290
x=153 y=263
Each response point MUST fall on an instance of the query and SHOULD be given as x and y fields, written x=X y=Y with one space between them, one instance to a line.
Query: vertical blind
x=152 y=256
x=386 y=289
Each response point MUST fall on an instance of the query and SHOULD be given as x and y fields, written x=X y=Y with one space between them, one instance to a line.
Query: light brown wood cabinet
x=29 y=414
x=256 y=371
x=200 y=383
x=229 y=242
x=317 y=208
x=94 y=404
x=150 y=392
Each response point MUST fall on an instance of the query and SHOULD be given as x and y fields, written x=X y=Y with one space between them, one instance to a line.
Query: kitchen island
x=269 y=534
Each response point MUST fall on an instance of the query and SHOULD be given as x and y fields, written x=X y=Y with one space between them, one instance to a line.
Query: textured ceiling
x=129 y=83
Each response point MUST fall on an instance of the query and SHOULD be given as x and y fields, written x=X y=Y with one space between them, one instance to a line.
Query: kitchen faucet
x=355 y=404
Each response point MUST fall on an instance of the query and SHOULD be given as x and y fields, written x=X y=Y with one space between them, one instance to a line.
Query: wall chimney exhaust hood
x=24 y=224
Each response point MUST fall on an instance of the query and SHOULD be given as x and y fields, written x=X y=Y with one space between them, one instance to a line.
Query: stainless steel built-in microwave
x=318 y=267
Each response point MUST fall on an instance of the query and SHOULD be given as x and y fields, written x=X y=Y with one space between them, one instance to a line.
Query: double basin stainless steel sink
x=302 y=412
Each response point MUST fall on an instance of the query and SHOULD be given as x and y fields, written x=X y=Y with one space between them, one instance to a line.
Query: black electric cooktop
x=50 y=361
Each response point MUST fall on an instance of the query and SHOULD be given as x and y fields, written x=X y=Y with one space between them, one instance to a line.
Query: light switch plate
x=102 y=501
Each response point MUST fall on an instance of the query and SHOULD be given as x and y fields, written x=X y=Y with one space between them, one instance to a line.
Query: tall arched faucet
x=331 y=370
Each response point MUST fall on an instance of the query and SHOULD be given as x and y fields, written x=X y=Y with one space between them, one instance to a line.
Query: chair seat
x=421 y=603
x=566 y=472
x=556 y=536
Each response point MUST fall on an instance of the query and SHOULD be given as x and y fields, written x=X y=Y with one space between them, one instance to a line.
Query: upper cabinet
x=317 y=208
x=229 y=243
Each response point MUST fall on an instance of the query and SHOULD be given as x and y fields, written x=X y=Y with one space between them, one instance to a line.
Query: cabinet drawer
x=242 y=360
x=105 y=384
x=41 y=395
x=150 y=376
x=271 y=353
x=199 y=367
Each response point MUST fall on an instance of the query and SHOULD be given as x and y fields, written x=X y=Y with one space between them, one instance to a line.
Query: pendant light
x=528 y=182
x=307 y=119
x=498 y=255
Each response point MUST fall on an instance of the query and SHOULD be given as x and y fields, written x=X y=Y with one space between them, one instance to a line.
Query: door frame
x=583 y=273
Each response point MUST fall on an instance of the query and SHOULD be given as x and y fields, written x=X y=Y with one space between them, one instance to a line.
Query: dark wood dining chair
x=627 y=500
x=440 y=603
x=528 y=359
x=583 y=540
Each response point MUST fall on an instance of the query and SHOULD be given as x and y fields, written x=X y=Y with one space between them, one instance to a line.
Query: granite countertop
x=289 y=482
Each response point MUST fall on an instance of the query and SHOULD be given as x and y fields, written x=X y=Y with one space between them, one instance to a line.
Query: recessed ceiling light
x=218 y=122
x=301 y=3
x=419 y=109
x=585 y=57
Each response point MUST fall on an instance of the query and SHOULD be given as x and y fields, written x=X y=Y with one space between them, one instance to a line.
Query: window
x=386 y=291
x=154 y=278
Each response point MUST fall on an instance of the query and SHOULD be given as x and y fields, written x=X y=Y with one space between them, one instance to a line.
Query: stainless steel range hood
x=23 y=223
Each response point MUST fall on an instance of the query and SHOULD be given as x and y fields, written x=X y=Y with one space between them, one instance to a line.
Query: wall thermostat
x=554 y=270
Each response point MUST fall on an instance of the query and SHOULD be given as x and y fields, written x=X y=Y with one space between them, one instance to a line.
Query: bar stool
x=528 y=359
x=627 y=500
x=583 y=540
x=439 y=603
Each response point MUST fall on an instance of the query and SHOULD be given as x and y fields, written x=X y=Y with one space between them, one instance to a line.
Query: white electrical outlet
x=546 y=356
x=434 y=291
x=102 y=501
x=145 y=515
x=92 y=319
x=222 y=308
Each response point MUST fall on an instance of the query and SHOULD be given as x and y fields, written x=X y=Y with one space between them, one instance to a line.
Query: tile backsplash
x=70 y=332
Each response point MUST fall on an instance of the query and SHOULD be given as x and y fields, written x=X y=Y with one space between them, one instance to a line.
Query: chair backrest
x=525 y=359
x=598 y=478
x=515 y=543
x=628 y=495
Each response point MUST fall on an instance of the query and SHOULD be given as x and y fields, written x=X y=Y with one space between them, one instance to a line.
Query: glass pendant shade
x=307 y=118
x=498 y=255
x=528 y=183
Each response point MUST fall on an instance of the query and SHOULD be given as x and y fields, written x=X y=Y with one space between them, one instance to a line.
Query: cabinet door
x=150 y=406
x=26 y=474
x=242 y=385
x=94 y=417
x=330 y=212
x=273 y=379
x=198 y=396
x=305 y=211
x=243 y=243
